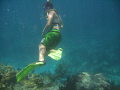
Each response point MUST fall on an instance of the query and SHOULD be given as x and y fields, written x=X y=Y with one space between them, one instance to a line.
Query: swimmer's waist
x=54 y=30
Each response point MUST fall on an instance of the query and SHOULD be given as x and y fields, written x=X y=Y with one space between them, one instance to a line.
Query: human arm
x=48 y=25
x=61 y=22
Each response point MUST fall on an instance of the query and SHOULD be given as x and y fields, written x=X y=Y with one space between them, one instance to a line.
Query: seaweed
x=50 y=75
x=61 y=70
x=70 y=84
x=0 y=77
x=116 y=87
x=113 y=86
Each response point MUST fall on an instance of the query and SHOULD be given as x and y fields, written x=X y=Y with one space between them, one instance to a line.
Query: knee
x=41 y=46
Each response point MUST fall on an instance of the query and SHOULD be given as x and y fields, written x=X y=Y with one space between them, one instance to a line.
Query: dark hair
x=48 y=4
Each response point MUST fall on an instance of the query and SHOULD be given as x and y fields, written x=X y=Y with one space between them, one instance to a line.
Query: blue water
x=90 y=37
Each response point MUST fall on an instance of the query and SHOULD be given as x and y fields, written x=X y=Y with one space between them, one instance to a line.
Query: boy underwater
x=49 y=41
x=53 y=36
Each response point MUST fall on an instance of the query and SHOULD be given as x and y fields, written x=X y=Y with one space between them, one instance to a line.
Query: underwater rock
x=85 y=81
x=9 y=78
x=1 y=65
x=92 y=82
x=29 y=84
x=57 y=81
x=32 y=81
x=6 y=68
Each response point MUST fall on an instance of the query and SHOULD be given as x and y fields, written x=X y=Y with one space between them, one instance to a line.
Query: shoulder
x=51 y=12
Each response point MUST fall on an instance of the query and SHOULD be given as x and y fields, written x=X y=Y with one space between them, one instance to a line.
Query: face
x=48 y=9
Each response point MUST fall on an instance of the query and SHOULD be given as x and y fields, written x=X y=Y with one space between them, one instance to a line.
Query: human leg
x=52 y=50
x=42 y=51
x=51 y=40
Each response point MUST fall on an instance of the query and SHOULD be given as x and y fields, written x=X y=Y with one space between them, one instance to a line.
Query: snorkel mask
x=46 y=6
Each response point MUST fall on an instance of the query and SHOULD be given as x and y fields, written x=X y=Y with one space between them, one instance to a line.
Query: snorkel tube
x=46 y=6
x=47 y=3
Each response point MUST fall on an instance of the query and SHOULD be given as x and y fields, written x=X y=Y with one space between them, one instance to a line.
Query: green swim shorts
x=52 y=39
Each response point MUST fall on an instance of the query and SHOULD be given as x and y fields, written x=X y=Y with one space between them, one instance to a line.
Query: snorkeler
x=53 y=36
x=49 y=41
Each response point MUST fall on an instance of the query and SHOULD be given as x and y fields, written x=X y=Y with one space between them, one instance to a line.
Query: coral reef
x=92 y=82
x=60 y=80
x=85 y=81
x=8 y=76
x=70 y=84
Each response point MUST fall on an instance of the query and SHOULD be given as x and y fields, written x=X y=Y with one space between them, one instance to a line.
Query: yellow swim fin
x=56 y=55
x=27 y=69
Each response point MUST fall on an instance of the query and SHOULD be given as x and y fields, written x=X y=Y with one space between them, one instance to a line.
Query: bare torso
x=57 y=22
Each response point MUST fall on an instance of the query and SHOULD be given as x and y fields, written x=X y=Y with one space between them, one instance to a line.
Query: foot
x=41 y=62
x=61 y=49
